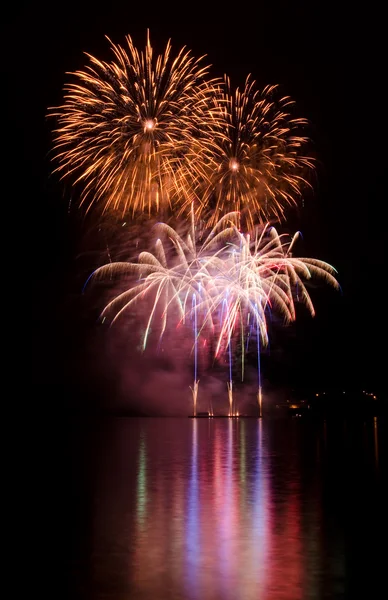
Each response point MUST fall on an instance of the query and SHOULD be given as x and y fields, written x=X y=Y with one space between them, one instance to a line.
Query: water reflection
x=193 y=548
x=235 y=533
x=141 y=483
x=224 y=508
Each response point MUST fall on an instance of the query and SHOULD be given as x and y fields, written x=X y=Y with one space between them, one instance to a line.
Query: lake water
x=224 y=509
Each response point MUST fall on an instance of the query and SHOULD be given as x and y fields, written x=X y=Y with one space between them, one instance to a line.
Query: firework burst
x=132 y=131
x=256 y=165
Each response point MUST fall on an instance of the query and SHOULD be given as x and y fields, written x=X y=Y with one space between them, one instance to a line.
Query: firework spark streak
x=133 y=131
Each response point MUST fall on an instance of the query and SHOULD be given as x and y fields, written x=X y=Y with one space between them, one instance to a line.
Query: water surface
x=227 y=509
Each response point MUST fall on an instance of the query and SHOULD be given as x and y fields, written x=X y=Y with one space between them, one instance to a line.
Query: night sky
x=328 y=58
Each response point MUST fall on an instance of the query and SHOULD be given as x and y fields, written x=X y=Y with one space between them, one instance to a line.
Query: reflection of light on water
x=376 y=441
x=261 y=517
x=141 y=496
x=243 y=465
x=224 y=509
x=227 y=516
x=216 y=524
x=192 y=532
x=220 y=520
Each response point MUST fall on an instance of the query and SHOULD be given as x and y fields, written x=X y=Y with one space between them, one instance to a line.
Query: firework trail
x=133 y=131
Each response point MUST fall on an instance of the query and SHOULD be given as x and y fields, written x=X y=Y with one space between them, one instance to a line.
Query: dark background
x=328 y=57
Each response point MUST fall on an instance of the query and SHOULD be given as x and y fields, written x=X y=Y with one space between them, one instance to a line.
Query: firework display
x=144 y=135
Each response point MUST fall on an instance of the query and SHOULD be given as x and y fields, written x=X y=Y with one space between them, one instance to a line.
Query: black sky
x=327 y=56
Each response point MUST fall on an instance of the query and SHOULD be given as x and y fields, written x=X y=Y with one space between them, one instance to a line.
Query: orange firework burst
x=133 y=130
x=256 y=164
